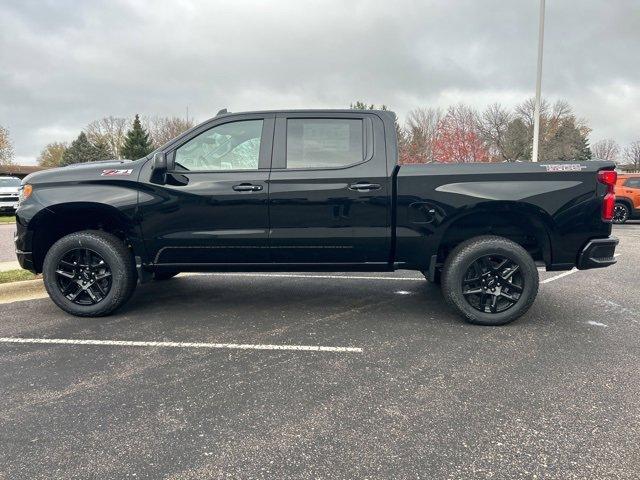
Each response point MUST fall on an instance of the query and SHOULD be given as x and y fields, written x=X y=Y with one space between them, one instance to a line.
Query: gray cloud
x=65 y=63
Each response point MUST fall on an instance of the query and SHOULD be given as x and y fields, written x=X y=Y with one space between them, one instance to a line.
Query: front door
x=329 y=190
x=213 y=207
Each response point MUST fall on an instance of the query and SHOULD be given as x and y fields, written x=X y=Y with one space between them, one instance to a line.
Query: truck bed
x=559 y=202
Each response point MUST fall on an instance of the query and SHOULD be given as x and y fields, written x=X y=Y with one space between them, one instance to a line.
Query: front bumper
x=23 y=240
x=8 y=206
x=598 y=253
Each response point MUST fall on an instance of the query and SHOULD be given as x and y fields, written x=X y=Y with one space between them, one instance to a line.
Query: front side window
x=633 y=183
x=324 y=142
x=231 y=146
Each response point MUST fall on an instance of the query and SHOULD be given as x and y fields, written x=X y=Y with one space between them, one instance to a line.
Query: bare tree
x=6 y=147
x=420 y=134
x=632 y=155
x=525 y=111
x=606 y=149
x=109 y=131
x=493 y=126
x=51 y=155
x=163 y=129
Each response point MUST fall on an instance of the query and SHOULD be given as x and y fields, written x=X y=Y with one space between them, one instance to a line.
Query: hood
x=80 y=171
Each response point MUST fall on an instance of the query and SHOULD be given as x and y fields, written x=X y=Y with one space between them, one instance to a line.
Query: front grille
x=8 y=198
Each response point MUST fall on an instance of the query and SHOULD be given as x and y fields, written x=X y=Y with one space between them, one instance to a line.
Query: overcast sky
x=66 y=63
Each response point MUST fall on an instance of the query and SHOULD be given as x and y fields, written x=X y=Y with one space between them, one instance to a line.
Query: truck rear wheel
x=490 y=280
x=89 y=273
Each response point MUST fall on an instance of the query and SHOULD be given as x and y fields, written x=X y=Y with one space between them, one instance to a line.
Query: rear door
x=329 y=200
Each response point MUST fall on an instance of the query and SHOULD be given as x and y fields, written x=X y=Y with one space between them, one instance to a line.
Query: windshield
x=9 y=182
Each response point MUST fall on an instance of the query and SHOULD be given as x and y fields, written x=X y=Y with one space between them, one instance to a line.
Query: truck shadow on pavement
x=245 y=299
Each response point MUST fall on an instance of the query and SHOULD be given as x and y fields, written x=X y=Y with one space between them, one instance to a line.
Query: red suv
x=627 y=198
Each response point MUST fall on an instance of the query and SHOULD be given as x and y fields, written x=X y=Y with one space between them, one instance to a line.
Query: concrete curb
x=24 y=290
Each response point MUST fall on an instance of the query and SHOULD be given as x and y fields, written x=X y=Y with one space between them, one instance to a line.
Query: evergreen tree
x=82 y=150
x=136 y=143
x=359 y=105
x=584 y=150
x=517 y=142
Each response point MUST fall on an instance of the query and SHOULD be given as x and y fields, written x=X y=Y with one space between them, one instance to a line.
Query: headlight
x=24 y=192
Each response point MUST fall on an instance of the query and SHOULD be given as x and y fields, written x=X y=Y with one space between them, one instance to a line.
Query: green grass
x=7 y=219
x=16 y=276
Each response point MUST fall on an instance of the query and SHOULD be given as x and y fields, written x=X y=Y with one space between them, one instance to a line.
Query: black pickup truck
x=312 y=191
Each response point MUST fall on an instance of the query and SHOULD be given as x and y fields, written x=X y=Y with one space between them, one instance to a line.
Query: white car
x=9 y=190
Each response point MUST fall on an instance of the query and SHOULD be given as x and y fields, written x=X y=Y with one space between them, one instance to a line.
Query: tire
x=511 y=285
x=161 y=276
x=108 y=260
x=621 y=213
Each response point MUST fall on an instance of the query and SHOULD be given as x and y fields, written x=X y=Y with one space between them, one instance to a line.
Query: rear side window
x=633 y=183
x=324 y=142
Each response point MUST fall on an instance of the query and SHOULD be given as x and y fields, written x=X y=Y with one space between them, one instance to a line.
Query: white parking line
x=557 y=277
x=130 y=343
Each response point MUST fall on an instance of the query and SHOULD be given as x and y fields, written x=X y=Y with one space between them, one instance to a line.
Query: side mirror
x=159 y=162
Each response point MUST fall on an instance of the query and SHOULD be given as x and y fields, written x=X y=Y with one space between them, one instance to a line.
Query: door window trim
x=279 y=157
x=264 y=155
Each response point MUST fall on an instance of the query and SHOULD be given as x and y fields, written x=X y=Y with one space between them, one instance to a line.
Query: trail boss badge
x=569 y=167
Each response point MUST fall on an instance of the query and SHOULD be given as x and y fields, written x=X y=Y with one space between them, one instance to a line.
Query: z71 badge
x=570 y=167
x=113 y=172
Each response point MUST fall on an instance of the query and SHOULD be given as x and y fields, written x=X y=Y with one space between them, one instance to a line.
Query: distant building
x=19 y=171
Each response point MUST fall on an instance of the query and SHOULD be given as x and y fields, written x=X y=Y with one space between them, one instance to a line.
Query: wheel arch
x=626 y=200
x=528 y=226
x=56 y=221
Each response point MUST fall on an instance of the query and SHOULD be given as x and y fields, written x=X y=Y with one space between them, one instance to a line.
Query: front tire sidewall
x=463 y=257
x=103 y=245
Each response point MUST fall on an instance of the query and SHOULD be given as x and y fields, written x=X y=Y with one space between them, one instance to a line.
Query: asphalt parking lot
x=404 y=388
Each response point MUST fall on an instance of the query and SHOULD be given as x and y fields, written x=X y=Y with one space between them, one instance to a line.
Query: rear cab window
x=324 y=142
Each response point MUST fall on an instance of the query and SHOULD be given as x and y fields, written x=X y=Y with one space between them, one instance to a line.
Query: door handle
x=363 y=187
x=247 y=187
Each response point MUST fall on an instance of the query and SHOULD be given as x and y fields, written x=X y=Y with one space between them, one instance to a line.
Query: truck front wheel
x=490 y=280
x=89 y=273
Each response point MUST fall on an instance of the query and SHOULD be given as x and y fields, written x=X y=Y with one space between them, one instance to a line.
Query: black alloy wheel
x=83 y=276
x=493 y=284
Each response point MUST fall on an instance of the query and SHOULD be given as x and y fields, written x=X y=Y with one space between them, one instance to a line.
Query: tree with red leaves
x=458 y=139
